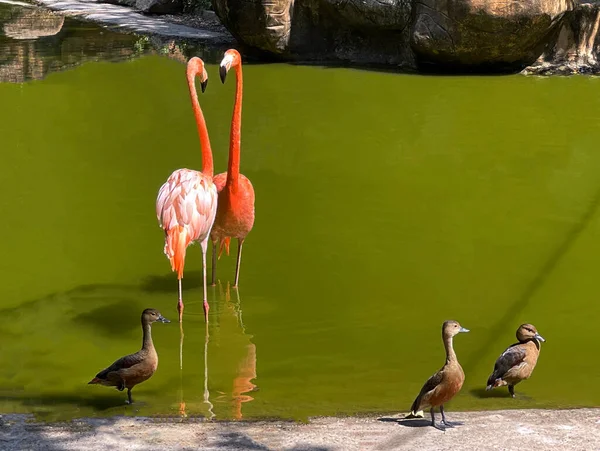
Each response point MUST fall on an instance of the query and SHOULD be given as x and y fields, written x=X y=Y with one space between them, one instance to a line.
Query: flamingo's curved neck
x=207 y=159
x=233 y=167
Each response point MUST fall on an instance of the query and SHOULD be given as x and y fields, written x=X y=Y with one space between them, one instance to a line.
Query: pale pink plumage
x=186 y=207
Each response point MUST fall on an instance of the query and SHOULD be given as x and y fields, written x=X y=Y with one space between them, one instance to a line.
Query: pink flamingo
x=235 y=211
x=187 y=203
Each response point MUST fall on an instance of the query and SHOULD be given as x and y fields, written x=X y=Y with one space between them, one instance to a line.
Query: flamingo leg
x=180 y=303
x=204 y=245
x=214 y=263
x=239 y=262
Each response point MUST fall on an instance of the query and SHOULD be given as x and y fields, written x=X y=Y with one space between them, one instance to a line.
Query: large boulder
x=372 y=31
x=485 y=32
x=456 y=33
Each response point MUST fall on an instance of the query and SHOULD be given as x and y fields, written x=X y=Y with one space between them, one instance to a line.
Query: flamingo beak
x=222 y=73
x=225 y=66
x=203 y=85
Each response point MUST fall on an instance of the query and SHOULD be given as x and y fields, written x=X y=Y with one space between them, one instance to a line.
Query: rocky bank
x=534 y=36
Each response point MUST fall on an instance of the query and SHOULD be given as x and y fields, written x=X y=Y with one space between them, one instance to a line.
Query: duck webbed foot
x=444 y=421
x=439 y=427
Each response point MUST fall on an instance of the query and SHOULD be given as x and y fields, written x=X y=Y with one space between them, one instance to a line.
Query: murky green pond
x=386 y=204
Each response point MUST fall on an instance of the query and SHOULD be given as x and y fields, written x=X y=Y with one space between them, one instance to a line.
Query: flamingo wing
x=186 y=207
x=187 y=199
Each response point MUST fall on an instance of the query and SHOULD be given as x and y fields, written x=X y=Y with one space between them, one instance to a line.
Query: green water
x=386 y=204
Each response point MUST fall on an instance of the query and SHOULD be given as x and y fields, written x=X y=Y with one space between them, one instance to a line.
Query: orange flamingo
x=235 y=211
x=187 y=203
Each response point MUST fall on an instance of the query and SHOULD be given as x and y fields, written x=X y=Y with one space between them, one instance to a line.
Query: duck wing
x=431 y=383
x=513 y=356
x=124 y=362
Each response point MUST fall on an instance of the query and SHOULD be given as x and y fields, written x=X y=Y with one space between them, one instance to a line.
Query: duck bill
x=539 y=337
x=162 y=319
x=462 y=329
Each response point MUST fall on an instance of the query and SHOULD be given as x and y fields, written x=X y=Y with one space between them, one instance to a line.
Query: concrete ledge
x=506 y=430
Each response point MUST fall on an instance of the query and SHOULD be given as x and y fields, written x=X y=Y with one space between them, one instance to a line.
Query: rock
x=130 y=3
x=577 y=42
x=485 y=32
x=32 y=23
x=371 y=31
x=491 y=33
x=159 y=6
x=258 y=24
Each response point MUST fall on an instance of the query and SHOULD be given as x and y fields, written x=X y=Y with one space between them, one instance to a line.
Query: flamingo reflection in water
x=246 y=368
x=235 y=360
x=206 y=394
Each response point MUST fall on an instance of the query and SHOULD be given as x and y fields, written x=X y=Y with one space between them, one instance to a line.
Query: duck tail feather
x=95 y=381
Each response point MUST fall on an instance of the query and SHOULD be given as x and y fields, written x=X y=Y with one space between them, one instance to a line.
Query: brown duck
x=518 y=361
x=134 y=369
x=446 y=383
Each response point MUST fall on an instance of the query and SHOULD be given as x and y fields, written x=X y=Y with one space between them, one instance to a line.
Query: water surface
x=386 y=204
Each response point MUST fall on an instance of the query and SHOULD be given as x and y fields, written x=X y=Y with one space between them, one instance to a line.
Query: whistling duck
x=134 y=369
x=518 y=361
x=446 y=383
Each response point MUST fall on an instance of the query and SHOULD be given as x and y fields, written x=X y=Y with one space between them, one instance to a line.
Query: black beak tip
x=222 y=73
x=203 y=85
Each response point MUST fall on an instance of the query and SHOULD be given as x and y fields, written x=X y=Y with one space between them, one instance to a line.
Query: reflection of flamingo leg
x=206 y=392
x=181 y=401
x=239 y=309
x=181 y=346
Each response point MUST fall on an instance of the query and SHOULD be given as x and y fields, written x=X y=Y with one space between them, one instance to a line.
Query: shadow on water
x=482 y=393
x=99 y=402
x=113 y=319
x=507 y=321
x=168 y=283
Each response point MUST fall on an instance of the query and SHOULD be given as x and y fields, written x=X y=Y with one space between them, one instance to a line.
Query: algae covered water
x=386 y=204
